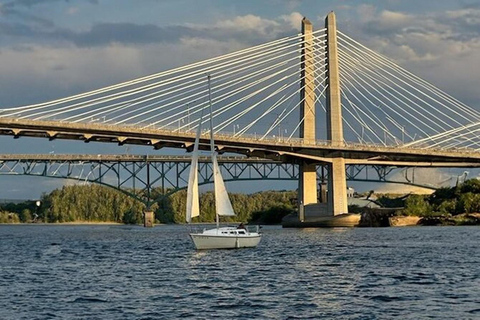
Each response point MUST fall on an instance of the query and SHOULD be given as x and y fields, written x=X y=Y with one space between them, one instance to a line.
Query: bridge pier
x=337 y=183
x=337 y=186
x=307 y=189
x=148 y=219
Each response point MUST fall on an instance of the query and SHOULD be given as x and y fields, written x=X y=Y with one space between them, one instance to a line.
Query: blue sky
x=55 y=48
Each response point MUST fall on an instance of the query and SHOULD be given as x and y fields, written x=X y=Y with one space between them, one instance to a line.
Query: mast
x=212 y=145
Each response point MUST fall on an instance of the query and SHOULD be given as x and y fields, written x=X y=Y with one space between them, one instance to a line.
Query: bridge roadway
x=284 y=150
x=128 y=158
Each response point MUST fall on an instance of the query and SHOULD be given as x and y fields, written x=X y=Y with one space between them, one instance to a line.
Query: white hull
x=225 y=238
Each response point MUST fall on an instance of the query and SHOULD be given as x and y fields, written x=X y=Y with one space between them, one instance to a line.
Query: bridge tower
x=337 y=180
x=307 y=189
x=337 y=186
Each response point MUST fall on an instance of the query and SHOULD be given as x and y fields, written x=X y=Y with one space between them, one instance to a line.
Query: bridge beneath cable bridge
x=138 y=175
x=272 y=101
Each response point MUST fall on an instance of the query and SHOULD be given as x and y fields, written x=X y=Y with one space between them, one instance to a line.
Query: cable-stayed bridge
x=316 y=97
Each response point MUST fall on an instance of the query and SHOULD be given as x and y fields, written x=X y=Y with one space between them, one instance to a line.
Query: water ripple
x=125 y=272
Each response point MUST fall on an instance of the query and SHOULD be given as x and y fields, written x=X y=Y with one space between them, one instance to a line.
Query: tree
x=416 y=205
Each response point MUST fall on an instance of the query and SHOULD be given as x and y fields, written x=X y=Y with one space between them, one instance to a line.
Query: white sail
x=222 y=202
x=193 y=206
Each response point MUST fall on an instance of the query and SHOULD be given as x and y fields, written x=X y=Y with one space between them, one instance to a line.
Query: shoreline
x=63 y=223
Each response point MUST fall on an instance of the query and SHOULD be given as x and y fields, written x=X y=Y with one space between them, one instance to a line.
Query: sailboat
x=219 y=237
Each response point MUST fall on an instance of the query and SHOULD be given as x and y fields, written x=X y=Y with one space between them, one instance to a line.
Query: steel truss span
x=139 y=175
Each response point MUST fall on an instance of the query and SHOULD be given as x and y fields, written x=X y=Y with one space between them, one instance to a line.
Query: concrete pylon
x=337 y=183
x=307 y=191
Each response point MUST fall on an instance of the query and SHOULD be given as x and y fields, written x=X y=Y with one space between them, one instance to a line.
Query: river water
x=130 y=272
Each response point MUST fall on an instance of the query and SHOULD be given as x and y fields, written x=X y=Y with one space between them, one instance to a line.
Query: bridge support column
x=337 y=185
x=323 y=192
x=307 y=190
x=148 y=219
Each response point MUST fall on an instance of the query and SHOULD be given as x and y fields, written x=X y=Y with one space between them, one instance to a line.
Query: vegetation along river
x=131 y=272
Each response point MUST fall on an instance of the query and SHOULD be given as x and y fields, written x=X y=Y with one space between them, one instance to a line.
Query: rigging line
x=244 y=112
x=232 y=104
x=471 y=146
x=400 y=127
x=136 y=92
x=272 y=108
x=161 y=74
x=257 y=119
x=220 y=127
x=286 y=115
x=423 y=83
x=285 y=97
x=378 y=74
x=320 y=95
x=150 y=87
x=441 y=135
x=107 y=110
x=155 y=95
x=251 y=108
x=386 y=105
x=451 y=137
x=303 y=118
x=241 y=89
x=394 y=103
x=356 y=109
x=253 y=84
x=364 y=124
x=243 y=78
x=349 y=125
x=378 y=80
x=275 y=57
x=294 y=66
x=459 y=146
x=115 y=96
x=409 y=101
x=100 y=111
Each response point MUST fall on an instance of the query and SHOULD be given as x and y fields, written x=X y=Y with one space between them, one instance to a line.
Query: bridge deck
x=273 y=148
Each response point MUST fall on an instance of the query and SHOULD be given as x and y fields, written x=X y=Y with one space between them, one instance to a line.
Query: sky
x=55 y=48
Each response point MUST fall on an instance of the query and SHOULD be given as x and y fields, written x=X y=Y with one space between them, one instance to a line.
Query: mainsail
x=222 y=202
x=193 y=206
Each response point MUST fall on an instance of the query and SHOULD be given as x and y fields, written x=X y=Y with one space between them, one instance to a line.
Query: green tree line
x=445 y=202
x=95 y=203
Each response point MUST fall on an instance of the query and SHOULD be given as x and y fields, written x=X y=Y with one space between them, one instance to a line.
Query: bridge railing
x=248 y=138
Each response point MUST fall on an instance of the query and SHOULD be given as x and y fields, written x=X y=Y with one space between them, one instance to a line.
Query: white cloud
x=441 y=47
x=294 y=20
x=39 y=73
x=248 y=23
x=72 y=10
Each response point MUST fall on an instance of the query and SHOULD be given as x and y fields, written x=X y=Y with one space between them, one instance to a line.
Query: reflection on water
x=129 y=272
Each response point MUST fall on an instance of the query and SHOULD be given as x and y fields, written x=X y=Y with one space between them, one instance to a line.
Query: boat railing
x=255 y=228
x=197 y=229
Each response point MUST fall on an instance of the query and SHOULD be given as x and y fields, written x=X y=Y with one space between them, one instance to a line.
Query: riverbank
x=73 y=223
x=385 y=218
